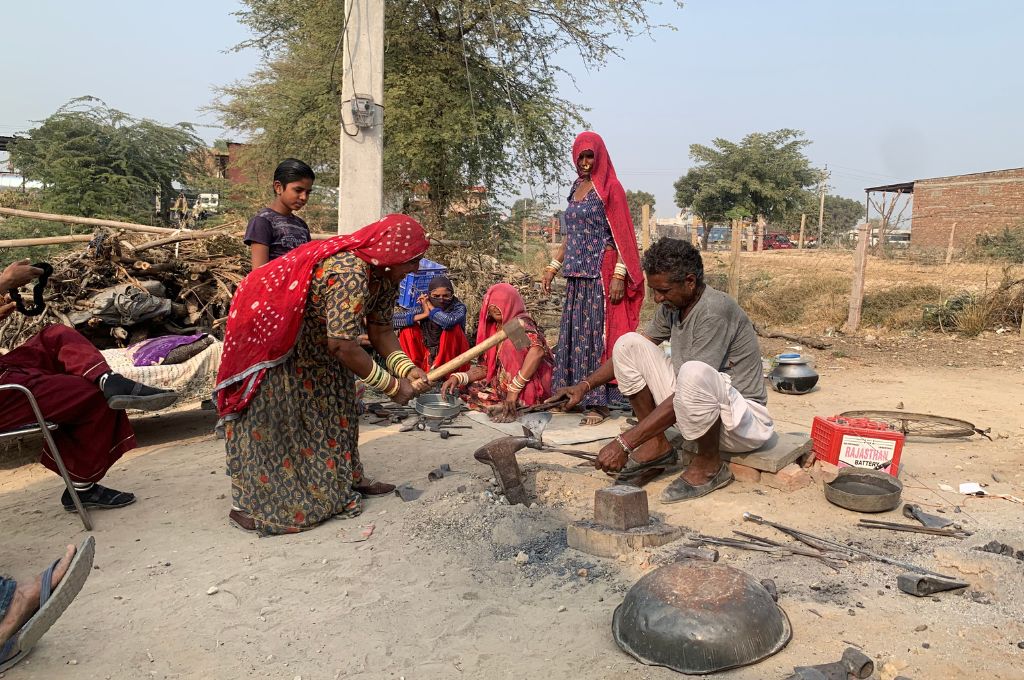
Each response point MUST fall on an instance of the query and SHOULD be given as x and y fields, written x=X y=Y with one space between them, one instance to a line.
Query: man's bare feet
x=25 y=602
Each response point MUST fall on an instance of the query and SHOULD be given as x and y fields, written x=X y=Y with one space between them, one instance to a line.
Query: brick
x=790 y=478
x=742 y=473
x=621 y=507
x=824 y=472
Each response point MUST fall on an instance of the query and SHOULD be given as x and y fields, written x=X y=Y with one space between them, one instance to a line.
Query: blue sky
x=887 y=90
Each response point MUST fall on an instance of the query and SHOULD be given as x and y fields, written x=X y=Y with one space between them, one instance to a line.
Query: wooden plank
x=781 y=450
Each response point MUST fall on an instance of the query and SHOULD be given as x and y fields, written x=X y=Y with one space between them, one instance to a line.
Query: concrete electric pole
x=361 y=162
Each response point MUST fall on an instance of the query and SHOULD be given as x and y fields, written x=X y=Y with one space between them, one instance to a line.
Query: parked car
x=777 y=242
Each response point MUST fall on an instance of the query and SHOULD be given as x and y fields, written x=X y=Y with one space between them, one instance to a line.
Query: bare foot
x=25 y=602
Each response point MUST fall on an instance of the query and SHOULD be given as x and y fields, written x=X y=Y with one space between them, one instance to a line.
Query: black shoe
x=122 y=394
x=98 y=497
x=681 y=490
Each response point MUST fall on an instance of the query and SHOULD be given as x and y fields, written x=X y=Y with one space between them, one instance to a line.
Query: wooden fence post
x=860 y=261
x=645 y=216
x=803 y=223
x=734 y=267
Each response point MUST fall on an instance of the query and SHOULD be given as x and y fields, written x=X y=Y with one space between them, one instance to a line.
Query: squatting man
x=711 y=388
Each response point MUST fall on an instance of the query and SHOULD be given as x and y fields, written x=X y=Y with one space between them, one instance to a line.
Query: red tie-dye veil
x=267 y=309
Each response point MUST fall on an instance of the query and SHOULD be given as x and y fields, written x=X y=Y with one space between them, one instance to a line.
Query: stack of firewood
x=182 y=285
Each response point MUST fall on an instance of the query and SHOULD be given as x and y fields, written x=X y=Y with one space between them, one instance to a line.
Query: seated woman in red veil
x=506 y=378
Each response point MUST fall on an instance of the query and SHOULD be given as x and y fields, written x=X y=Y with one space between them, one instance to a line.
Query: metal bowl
x=437 y=406
x=863 y=490
x=699 y=617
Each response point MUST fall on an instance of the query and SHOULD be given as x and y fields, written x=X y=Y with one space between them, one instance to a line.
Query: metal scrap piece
x=911 y=511
x=439 y=472
x=407 y=493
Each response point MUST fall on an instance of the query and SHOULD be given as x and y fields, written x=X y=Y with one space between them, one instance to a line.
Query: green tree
x=766 y=173
x=470 y=88
x=708 y=200
x=96 y=161
x=636 y=201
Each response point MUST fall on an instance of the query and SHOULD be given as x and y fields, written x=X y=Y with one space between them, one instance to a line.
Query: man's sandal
x=632 y=467
x=681 y=490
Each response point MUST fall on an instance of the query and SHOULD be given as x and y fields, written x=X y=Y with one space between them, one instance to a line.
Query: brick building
x=978 y=203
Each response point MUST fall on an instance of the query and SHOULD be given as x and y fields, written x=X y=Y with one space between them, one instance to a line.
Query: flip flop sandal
x=634 y=468
x=52 y=603
x=593 y=418
x=681 y=490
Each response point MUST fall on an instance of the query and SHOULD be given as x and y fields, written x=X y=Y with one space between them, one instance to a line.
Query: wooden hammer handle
x=472 y=353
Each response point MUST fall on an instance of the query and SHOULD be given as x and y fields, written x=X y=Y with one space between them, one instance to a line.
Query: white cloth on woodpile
x=700 y=395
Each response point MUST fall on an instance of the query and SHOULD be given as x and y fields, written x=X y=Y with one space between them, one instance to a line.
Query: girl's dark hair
x=293 y=170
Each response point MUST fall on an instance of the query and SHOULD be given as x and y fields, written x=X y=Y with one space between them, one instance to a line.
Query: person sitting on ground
x=514 y=377
x=28 y=611
x=77 y=391
x=276 y=229
x=712 y=388
x=437 y=333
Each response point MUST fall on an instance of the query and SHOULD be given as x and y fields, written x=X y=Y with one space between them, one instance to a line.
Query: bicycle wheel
x=919 y=424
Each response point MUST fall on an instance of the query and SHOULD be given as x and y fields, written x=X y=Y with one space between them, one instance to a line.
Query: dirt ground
x=436 y=591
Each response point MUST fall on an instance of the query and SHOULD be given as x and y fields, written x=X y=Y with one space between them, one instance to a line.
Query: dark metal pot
x=699 y=617
x=792 y=375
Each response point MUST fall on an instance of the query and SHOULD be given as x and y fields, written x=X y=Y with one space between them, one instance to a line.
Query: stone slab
x=594 y=539
x=779 y=451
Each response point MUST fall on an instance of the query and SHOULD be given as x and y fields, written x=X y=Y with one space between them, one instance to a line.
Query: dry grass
x=808 y=291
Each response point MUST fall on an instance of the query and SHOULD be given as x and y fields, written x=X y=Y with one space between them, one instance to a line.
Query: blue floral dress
x=581 y=336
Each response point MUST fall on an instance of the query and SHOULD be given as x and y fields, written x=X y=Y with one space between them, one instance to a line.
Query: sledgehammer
x=513 y=330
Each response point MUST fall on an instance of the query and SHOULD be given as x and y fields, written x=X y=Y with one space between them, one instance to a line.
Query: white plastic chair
x=45 y=427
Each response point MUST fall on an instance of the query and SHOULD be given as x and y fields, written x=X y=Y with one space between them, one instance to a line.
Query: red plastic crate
x=857 y=442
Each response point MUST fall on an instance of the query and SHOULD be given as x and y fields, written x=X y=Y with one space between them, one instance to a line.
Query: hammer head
x=515 y=332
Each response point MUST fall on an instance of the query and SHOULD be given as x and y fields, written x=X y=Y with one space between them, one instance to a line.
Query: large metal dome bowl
x=698 y=618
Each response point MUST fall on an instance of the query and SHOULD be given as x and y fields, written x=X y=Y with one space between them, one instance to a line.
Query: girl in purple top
x=275 y=230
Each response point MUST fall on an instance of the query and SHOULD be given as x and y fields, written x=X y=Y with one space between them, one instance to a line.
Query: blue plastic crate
x=415 y=284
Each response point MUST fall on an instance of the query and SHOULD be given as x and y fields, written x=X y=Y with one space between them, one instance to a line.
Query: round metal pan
x=437 y=406
x=864 y=490
x=699 y=617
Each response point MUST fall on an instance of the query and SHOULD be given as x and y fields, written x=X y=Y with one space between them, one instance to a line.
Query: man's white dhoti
x=700 y=394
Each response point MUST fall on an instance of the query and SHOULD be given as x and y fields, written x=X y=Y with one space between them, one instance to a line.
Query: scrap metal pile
x=124 y=287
